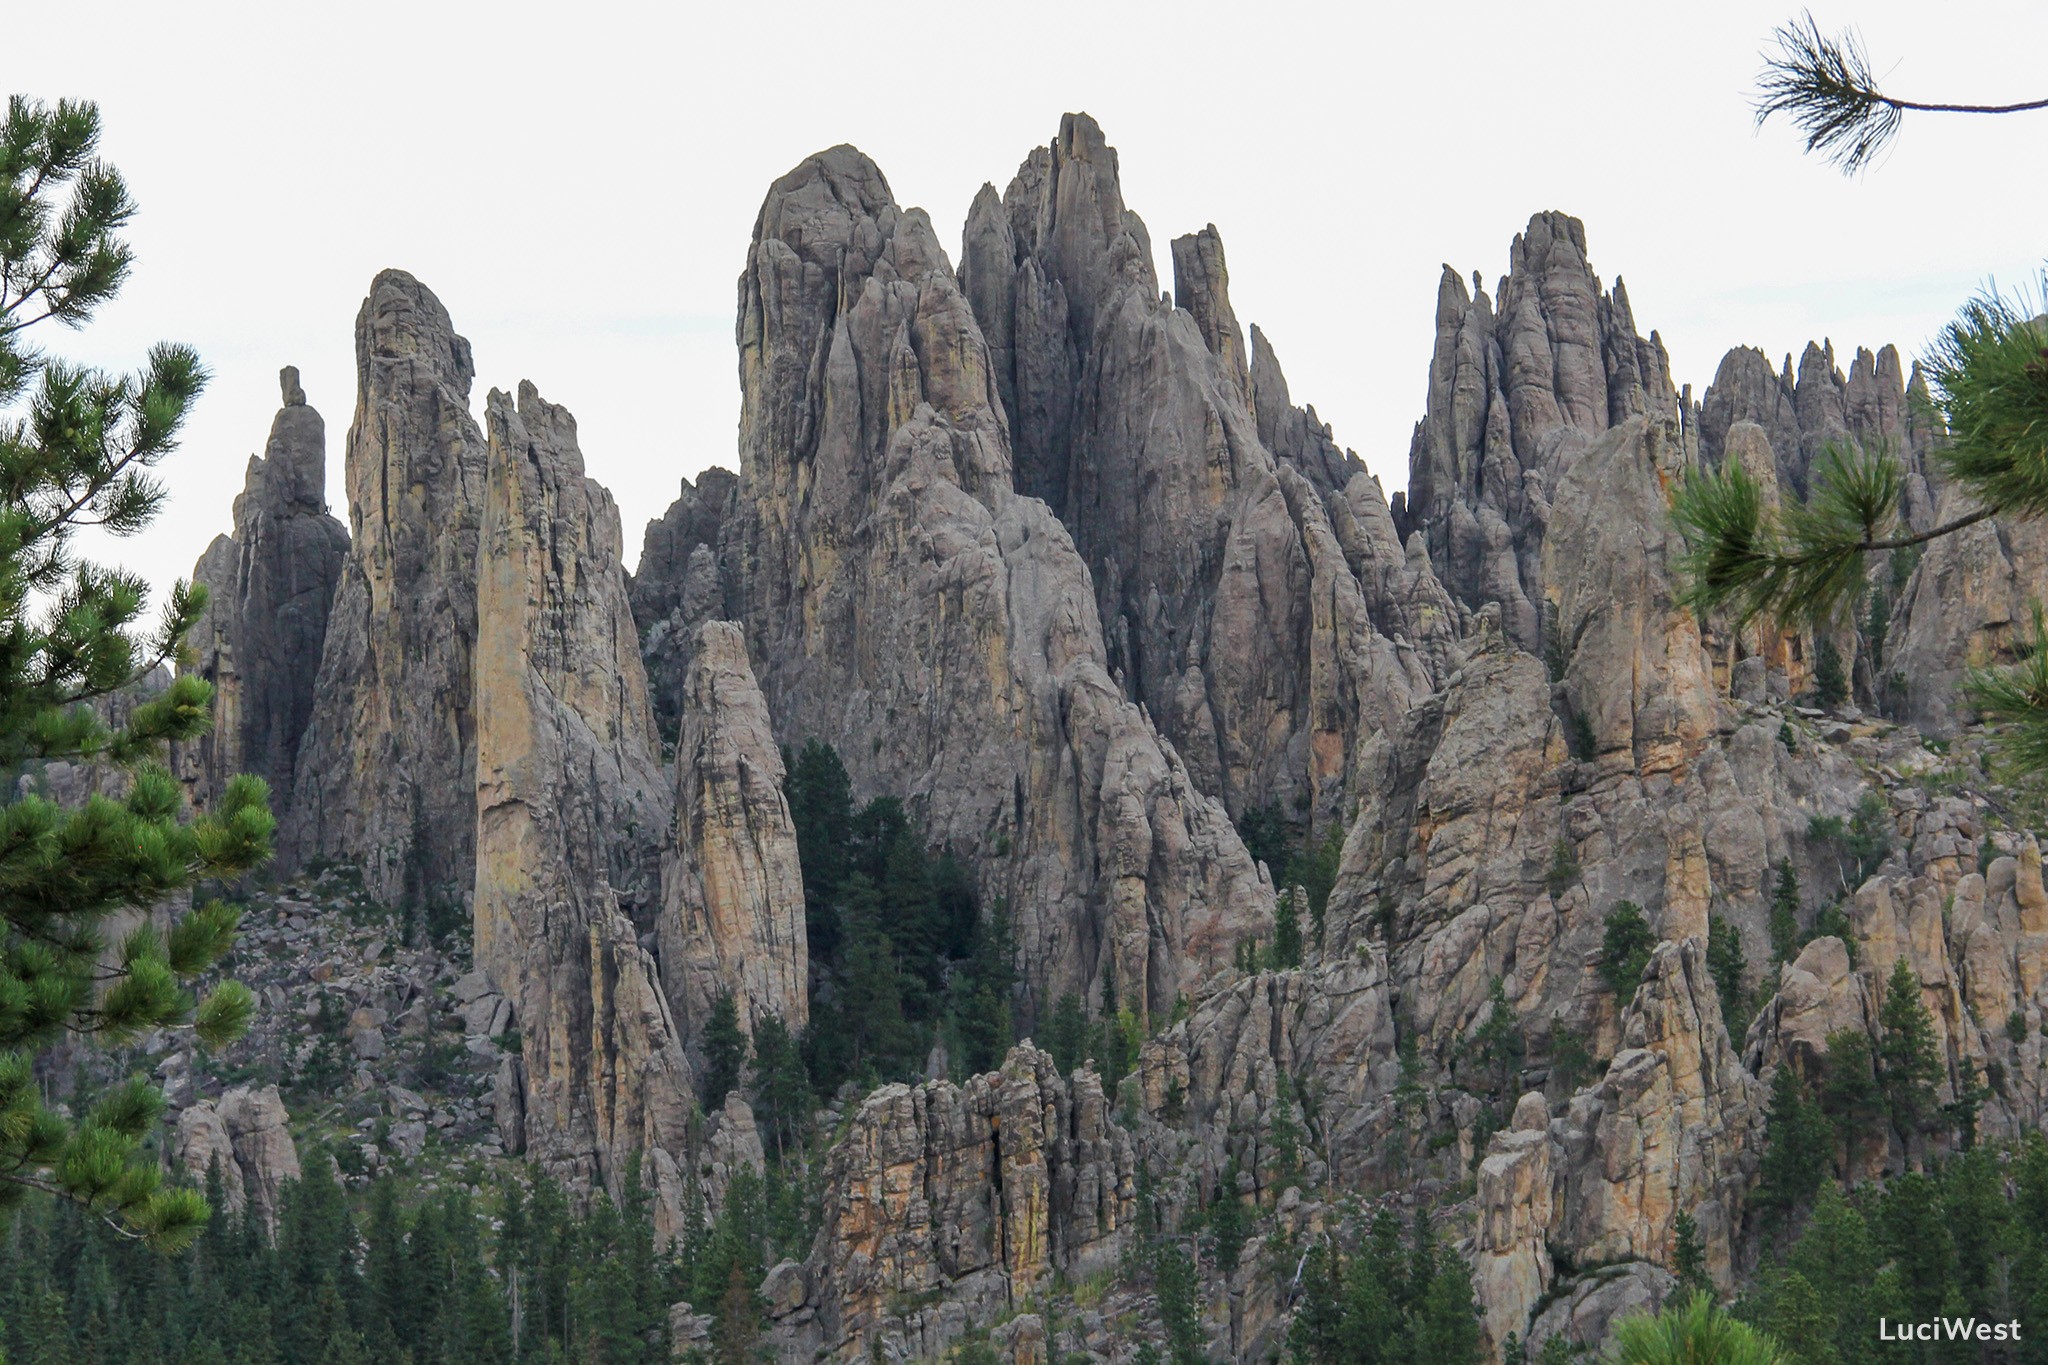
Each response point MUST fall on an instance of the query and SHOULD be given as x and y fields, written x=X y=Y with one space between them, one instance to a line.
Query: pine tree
x=1849 y=1093
x=1979 y=1221
x=738 y=1320
x=1727 y=965
x=1797 y=1148
x=1908 y=1061
x=1286 y=933
x=1374 y=1330
x=1267 y=835
x=1625 y=950
x=1792 y=1311
x=821 y=812
x=1968 y=1103
x=1314 y=870
x=1830 y=683
x=1570 y=1059
x=383 y=1263
x=725 y=1051
x=872 y=989
x=985 y=985
x=1447 y=1329
x=1689 y=1331
x=1917 y=1239
x=1784 y=921
x=1689 y=1256
x=1173 y=1280
x=1498 y=1042
x=1315 y=1337
x=782 y=1088
x=81 y=457
x=1284 y=1135
x=1229 y=1223
x=1066 y=1033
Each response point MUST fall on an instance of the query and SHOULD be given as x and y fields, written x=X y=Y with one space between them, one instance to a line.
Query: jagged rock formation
x=1231 y=599
x=906 y=604
x=569 y=807
x=1634 y=674
x=681 y=583
x=732 y=915
x=1673 y=1127
x=1060 y=561
x=386 y=776
x=1878 y=406
x=245 y=1136
x=1514 y=398
x=978 y=1192
x=270 y=585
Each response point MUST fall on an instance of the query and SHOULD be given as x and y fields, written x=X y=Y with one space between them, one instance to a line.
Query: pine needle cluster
x=77 y=447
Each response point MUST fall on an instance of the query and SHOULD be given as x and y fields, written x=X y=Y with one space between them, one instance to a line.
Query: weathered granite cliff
x=906 y=603
x=1231 y=601
x=270 y=585
x=732 y=913
x=570 y=807
x=681 y=582
x=975 y=1195
x=386 y=774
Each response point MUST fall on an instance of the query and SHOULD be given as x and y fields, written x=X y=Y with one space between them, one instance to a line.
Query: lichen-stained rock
x=1517 y=1203
x=260 y=1136
x=904 y=603
x=1635 y=672
x=1818 y=996
x=1976 y=943
x=1329 y=1029
x=1675 y=1126
x=1229 y=605
x=270 y=586
x=386 y=775
x=681 y=582
x=1582 y=1311
x=1970 y=602
x=732 y=914
x=981 y=1192
x=201 y=1145
x=570 y=807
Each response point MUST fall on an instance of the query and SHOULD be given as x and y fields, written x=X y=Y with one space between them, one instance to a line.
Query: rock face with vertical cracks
x=905 y=603
x=682 y=582
x=732 y=916
x=270 y=586
x=386 y=776
x=1245 y=571
x=983 y=1191
x=570 y=808
x=1970 y=602
x=1879 y=405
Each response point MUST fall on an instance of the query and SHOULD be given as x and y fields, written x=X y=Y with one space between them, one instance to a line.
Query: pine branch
x=1826 y=87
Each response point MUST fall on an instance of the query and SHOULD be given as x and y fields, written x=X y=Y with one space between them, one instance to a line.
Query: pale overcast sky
x=578 y=181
